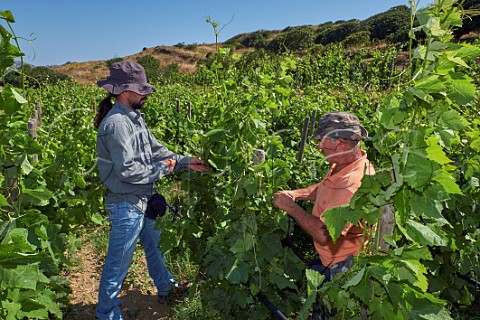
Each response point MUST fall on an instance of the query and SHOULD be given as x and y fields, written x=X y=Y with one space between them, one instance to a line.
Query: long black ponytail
x=103 y=107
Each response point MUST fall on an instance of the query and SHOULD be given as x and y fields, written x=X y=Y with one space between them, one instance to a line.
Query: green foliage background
x=424 y=142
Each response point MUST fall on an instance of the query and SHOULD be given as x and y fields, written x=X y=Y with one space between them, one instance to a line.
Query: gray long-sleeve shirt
x=130 y=158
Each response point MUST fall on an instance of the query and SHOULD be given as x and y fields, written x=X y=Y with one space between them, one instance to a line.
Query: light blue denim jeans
x=128 y=224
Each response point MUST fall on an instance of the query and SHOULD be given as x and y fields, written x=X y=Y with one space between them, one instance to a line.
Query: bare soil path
x=85 y=276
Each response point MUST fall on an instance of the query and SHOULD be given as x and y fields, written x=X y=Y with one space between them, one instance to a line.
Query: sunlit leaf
x=423 y=234
x=462 y=91
x=418 y=169
x=448 y=183
x=435 y=151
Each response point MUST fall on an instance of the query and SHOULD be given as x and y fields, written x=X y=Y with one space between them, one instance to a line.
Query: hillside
x=391 y=26
x=91 y=71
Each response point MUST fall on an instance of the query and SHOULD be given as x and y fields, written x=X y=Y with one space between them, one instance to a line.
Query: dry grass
x=91 y=71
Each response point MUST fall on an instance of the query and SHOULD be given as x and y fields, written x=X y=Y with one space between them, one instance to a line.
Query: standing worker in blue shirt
x=130 y=160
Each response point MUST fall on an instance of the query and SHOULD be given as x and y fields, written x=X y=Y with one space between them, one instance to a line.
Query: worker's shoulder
x=115 y=121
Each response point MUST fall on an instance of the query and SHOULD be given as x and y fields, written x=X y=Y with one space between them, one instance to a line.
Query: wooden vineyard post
x=312 y=121
x=392 y=69
x=258 y=158
x=11 y=170
x=33 y=124
x=12 y=184
x=178 y=105
x=189 y=115
x=304 y=138
x=32 y=131
x=38 y=114
x=384 y=227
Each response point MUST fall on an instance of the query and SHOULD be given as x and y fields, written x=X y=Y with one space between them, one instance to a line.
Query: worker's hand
x=289 y=193
x=197 y=165
x=171 y=163
x=283 y=201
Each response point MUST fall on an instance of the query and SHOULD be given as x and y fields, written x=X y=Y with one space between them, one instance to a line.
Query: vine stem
x=15 y=38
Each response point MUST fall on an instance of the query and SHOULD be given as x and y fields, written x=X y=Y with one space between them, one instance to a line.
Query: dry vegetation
x=91 y=71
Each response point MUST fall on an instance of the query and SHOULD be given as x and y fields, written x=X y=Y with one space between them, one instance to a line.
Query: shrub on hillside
x=170 y=70
x=151 y=66
x=339 y=32
x=156 y=73
x=294 y=39
x=393 y=24
x=257 y=40
x=34 y=76
x=110 y=62
x=182 y=45
x=360 y=38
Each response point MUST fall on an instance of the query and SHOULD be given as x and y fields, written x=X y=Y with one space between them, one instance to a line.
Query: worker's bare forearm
x=310 y=224
x=307 y=193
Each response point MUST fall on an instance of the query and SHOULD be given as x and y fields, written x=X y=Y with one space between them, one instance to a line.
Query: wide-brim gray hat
x=340 y=125
x=126 y=76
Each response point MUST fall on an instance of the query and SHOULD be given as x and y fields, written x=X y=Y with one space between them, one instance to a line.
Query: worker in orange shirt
x=338 y=135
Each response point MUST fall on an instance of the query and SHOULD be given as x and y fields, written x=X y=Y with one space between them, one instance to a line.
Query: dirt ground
x=85 y=277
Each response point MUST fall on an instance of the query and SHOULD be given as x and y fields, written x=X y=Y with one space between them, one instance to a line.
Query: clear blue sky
x=87 y=30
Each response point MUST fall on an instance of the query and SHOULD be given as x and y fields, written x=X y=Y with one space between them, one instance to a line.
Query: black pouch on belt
x=156 y=206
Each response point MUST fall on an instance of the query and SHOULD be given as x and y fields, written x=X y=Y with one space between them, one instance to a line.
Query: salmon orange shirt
x=337 y=190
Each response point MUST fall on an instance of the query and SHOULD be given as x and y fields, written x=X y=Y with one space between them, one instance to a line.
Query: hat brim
x=140 y=88
x=342 y=134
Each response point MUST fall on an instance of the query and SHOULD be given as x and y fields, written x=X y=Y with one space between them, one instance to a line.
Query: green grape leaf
x=7 y=16
x=238 y=273
x=382 y=309
x=98 y=219
x=391 y=117
x=40 y=196
x=418 y=170
x=3 y=201
x=241 y=298
x=426 y=306
x=307 y=306
x=420 y=94
x=356 y=279
x=432 y=84
x=36 y=310
x=419 y=271
x=435 y=151
x=401 y=202
x=18 y=237
x=459 y=61
x=18 y=96
x=466 y=51
x=453 y=120
x=448 y=183
x=423 y=234
x=25 y=165
x=216 y=134
x=243 y=245
x=462 y=91
x=22 y=276
x=414 y=253
x=314 y=279
x=337 y=218
x=12 y=309
x=428 y=203
x=281 y=281
x=251 y=184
